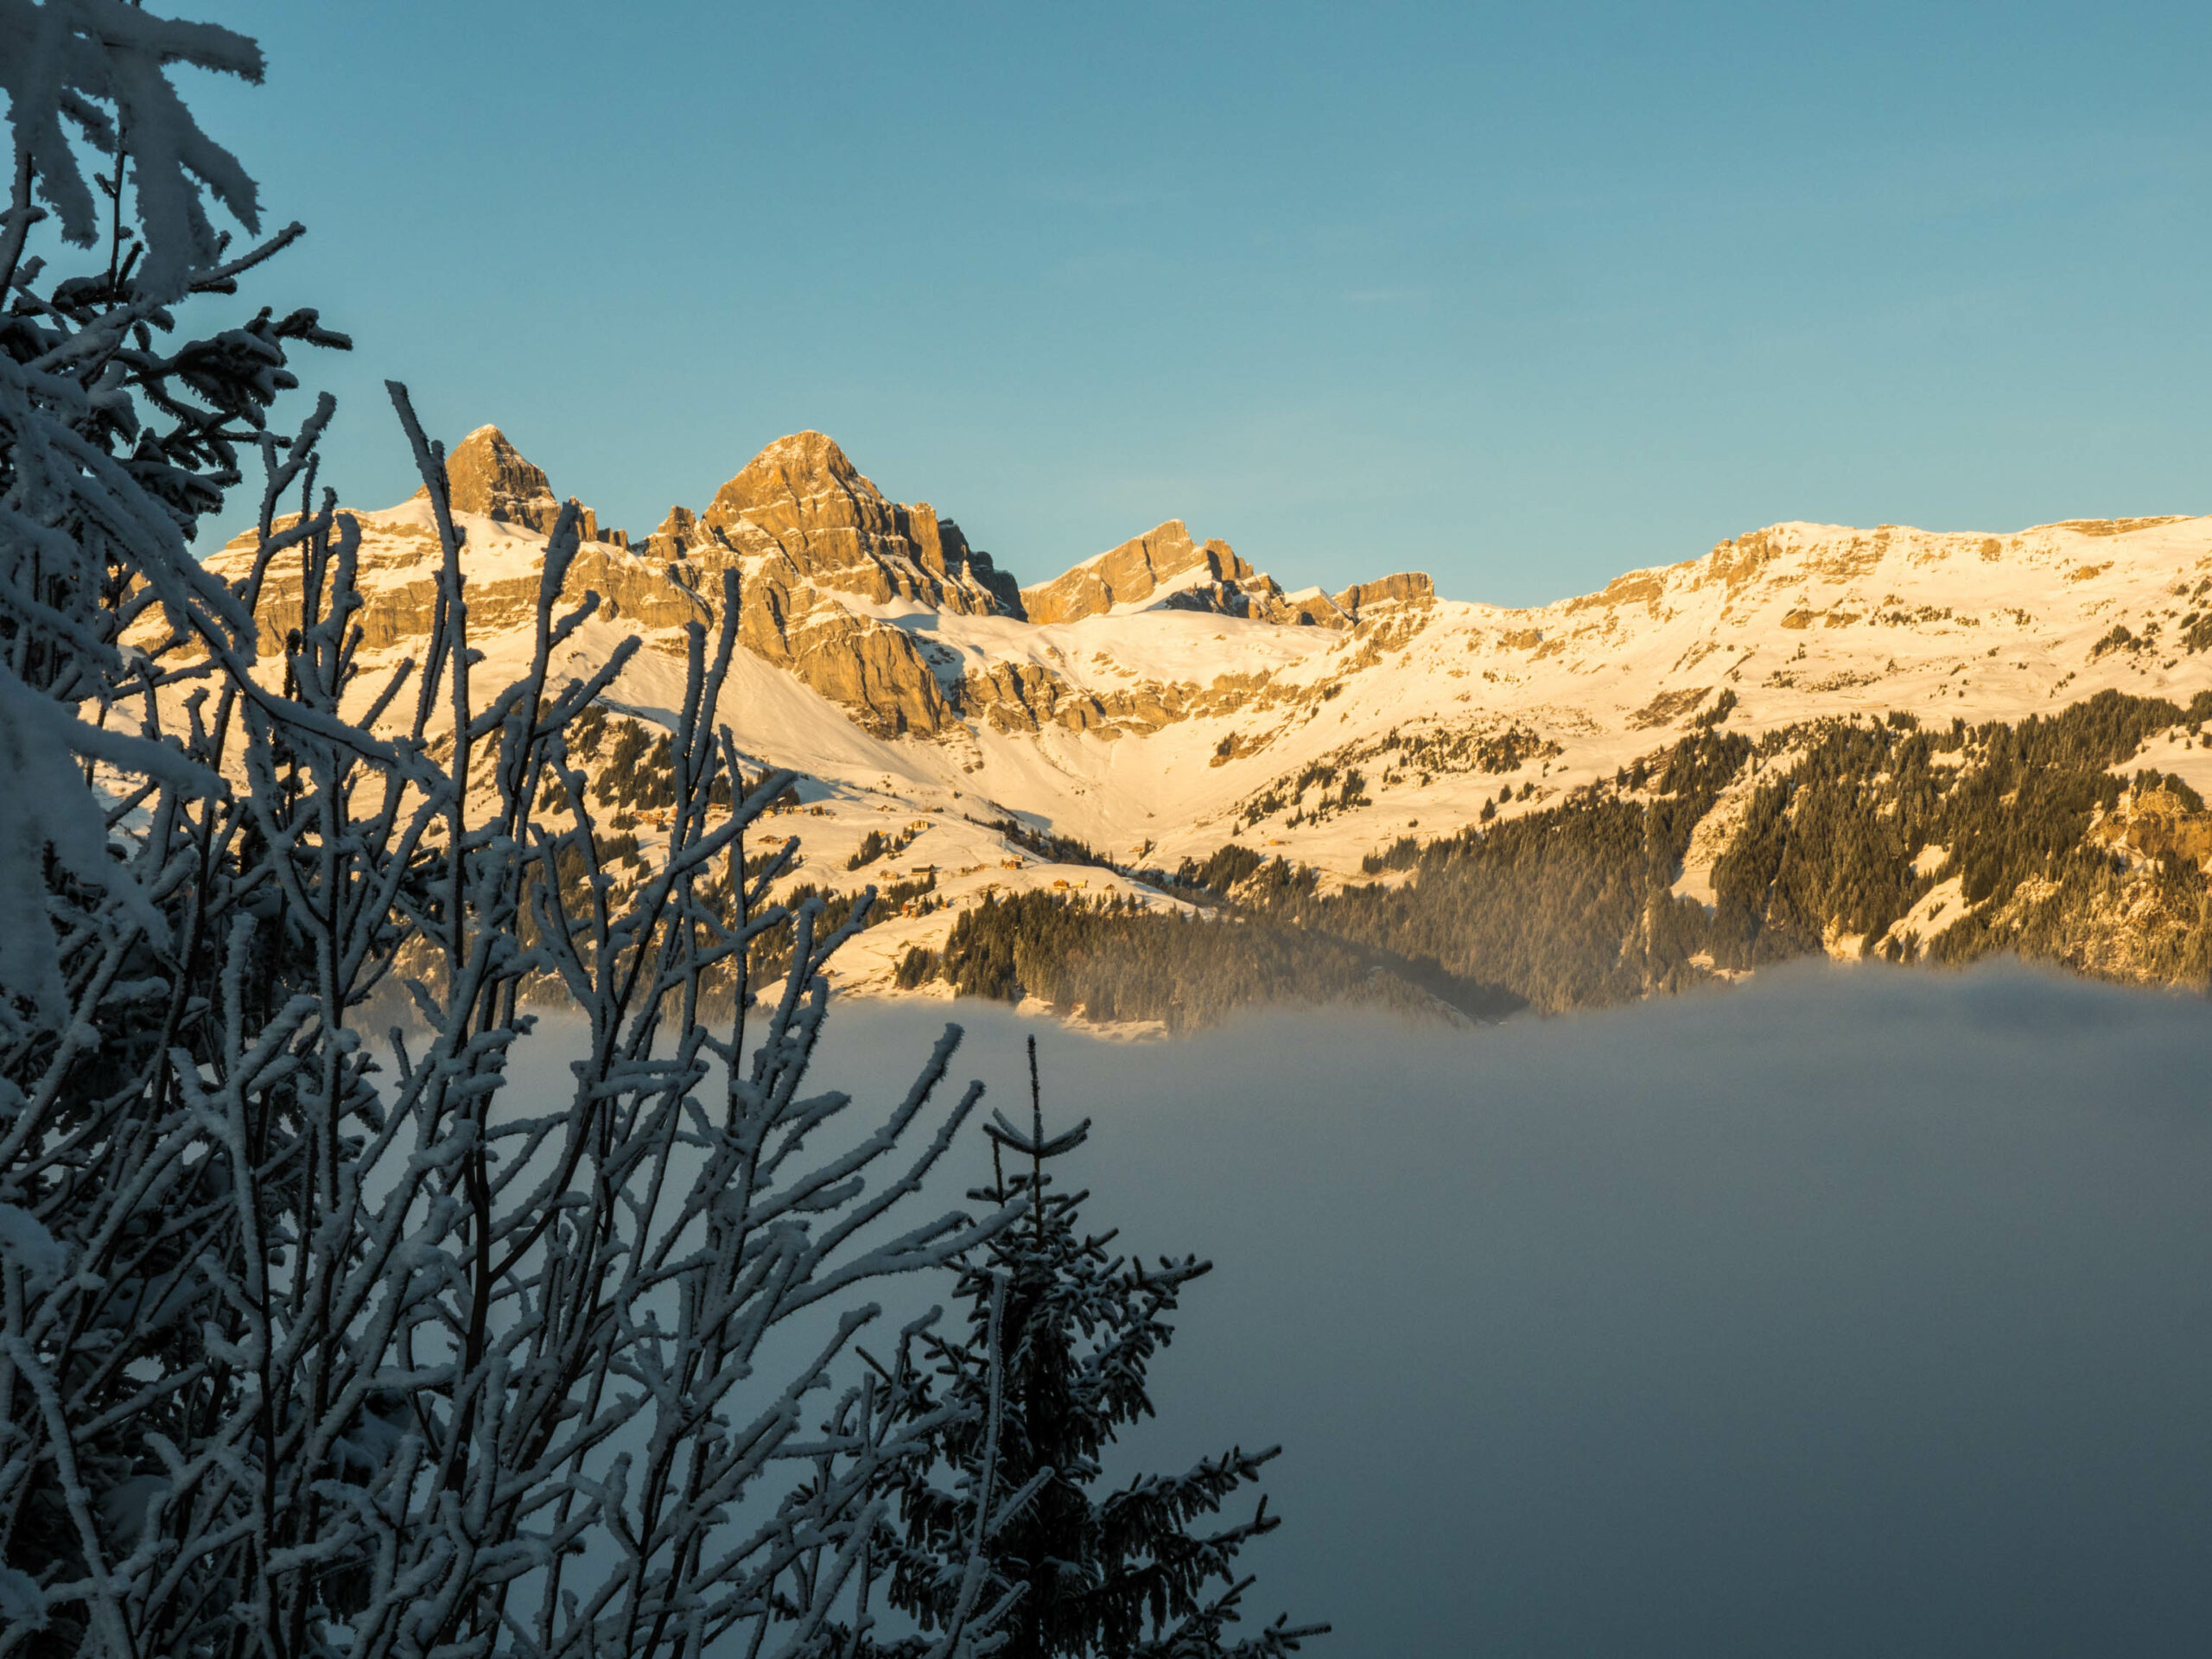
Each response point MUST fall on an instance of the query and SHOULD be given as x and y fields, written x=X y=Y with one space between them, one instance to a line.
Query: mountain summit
x=488 y=475
x=802 y=499
x=1166 y=701
x=803 y=478
x=1164 y=566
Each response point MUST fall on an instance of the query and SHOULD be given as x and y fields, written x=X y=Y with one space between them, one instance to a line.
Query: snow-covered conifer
x=323 y=1338
x=1060 y=1336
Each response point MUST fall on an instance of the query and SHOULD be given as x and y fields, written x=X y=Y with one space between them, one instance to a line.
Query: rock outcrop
x=1025 y=697
x=679 y=534
x=488 y=475
x=817 y=547
x=809 y=531
x=804 y=507
x=1164 y=568
x=1407 y=587
x=1134 y=572
x=800 y=522
x=873 y=670
x=398 y=565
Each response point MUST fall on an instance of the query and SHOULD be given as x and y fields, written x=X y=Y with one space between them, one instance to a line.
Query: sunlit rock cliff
x=1165 y=705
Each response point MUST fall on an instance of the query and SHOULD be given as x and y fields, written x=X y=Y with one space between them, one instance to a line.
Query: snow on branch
x=320 y=1332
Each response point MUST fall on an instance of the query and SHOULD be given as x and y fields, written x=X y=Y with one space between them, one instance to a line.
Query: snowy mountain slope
x=1180 y=701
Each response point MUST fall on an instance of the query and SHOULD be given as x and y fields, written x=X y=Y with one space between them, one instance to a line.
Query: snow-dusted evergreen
x=1060 y=1336
x=316 y=1340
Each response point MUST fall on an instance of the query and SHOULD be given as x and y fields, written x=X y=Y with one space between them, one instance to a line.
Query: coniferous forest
x=1572 y=906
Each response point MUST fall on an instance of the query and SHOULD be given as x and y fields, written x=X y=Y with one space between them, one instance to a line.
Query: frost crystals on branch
x=313 y=1342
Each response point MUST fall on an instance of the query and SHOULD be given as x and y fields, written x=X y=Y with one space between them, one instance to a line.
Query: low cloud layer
x=1858 y=1312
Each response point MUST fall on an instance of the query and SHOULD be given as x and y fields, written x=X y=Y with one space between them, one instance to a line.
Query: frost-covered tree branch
x=314 y=1339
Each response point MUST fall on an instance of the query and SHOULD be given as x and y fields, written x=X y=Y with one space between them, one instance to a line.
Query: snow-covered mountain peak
x=1164 y=698
x=1140 y=571
x=488 y=475
x=790 y=475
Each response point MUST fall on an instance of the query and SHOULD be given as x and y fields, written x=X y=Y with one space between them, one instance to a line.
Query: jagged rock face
x=1165 y=567
x=679 y=534
x=1312 y=608
x=804 y=505
x=806 y=526
x=633 y=588
x=1258 y=597
x=399 y=562
x=873 y=670
x=2156 y=823
x=1131 y=574
x=800 y=522
x=1025 y=697
x=806 y=529
x=488 y=475
x=1407 y=587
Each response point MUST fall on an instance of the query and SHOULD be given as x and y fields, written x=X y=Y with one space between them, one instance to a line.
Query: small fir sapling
x=1137 y=1570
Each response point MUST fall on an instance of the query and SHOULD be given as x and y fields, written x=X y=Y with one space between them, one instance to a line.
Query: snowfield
x=1326 y=745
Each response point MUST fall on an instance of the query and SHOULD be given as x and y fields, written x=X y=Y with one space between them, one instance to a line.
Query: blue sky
x=1524 y=297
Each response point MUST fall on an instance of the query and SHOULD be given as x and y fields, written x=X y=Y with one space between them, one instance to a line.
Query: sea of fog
x=1854 y=1313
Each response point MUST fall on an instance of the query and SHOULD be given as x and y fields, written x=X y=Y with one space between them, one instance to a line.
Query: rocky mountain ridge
x=1164 y=701
x=826 y=562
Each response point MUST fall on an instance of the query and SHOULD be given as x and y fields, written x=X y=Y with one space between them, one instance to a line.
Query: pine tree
x=1059 y=1337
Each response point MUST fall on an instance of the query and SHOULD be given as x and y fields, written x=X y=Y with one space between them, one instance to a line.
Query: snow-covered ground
x=1799 y=621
